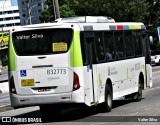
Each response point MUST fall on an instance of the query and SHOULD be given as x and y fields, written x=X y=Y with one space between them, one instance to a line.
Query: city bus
x=79 y=60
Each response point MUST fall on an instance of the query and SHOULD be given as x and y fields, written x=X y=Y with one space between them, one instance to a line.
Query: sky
x=14 y=2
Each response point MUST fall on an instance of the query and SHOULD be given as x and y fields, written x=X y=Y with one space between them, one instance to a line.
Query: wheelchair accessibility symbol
x=23 y=73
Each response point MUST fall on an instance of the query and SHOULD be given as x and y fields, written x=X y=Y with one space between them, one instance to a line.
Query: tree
x=153 y=21
x=48 y=14
x=120 y=10
x=65 y=11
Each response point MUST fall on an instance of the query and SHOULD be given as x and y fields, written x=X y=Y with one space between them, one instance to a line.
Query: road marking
x=147 y=109
x=134 y=113
x=5 y=105
x=4 y=99
x=152 y=89
x=4 y=95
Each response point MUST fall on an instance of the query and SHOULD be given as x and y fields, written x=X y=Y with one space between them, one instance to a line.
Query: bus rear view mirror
x=151 y=39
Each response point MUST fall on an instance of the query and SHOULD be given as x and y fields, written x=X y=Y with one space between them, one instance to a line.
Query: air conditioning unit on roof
x=84 y=19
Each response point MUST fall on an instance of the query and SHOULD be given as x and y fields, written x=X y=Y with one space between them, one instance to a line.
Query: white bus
x=85 y=60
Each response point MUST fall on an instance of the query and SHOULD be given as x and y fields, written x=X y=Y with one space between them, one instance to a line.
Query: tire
x=107 y=105
x=50 y=112
x=138 y=95
x=159 y=63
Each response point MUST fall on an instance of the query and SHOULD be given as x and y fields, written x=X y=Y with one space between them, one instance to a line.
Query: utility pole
x=56 y=9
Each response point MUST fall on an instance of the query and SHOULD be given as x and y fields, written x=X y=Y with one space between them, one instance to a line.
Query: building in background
x=9 y=15
x=5 y=3
x=30 y=11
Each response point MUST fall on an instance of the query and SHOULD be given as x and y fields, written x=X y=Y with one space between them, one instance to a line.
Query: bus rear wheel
x=138 y=95
x=107 y=105
x=50 y=112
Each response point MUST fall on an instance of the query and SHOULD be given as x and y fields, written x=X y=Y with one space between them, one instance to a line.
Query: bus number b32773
x=56 y=71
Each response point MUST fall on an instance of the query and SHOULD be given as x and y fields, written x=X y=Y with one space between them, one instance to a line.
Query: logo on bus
x=23 y=73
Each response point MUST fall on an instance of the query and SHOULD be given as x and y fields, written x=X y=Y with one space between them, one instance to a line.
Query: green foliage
x=47 y=15
x=4 y=61
x=65 y=11
x=120 y=10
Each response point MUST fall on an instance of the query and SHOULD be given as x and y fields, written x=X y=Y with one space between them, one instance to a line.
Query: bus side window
x=128 y=43
x=99 y=46
x=137 y=43
x=119 y=44
x=83 y=47
x=109 y=45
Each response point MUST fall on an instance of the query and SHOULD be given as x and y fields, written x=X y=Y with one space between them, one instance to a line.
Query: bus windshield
x=42 y=41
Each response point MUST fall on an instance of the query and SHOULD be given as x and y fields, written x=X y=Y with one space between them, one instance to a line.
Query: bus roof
x=86 y=19
x=80 y=25
x=111 y=26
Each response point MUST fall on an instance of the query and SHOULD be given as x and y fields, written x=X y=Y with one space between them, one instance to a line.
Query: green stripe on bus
x=127 y=73
x=75 y=51
x=131 y=27
x=143 y=67
x=100 y=81
x=12 y=62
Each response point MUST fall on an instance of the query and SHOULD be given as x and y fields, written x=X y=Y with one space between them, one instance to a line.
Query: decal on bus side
x=143 y=67
x=12 y=62
x=75 y=51
x=100 y=81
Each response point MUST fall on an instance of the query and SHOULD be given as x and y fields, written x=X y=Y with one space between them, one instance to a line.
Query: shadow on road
x=75 y=114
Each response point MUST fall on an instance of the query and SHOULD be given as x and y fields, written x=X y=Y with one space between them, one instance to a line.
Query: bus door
x=91 y=69
x=147 y=60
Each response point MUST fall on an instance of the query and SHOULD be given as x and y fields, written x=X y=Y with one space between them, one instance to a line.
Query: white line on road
x=152 y=89
x=4 y=99
x=134 y=113
x=4 y=95
x=147 y=109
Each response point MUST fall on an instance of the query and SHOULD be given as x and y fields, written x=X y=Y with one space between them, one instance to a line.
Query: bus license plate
x=27 y=82
x=44 y=89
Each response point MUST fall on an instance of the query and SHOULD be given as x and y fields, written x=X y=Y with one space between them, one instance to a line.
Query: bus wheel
x=138 y=95
x=107 y=105
x=50 y=112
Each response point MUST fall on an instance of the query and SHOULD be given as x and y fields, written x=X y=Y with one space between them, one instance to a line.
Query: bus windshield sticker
x=56 y=47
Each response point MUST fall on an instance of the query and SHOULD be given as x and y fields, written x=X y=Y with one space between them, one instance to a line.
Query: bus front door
x=91 y=69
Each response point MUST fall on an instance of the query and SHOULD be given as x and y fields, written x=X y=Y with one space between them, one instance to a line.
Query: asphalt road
x=4 y=99
x=123 y=112
x=4 y=75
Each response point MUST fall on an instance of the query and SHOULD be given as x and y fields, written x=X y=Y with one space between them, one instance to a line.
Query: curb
x=4 y=81
x=4 y=108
